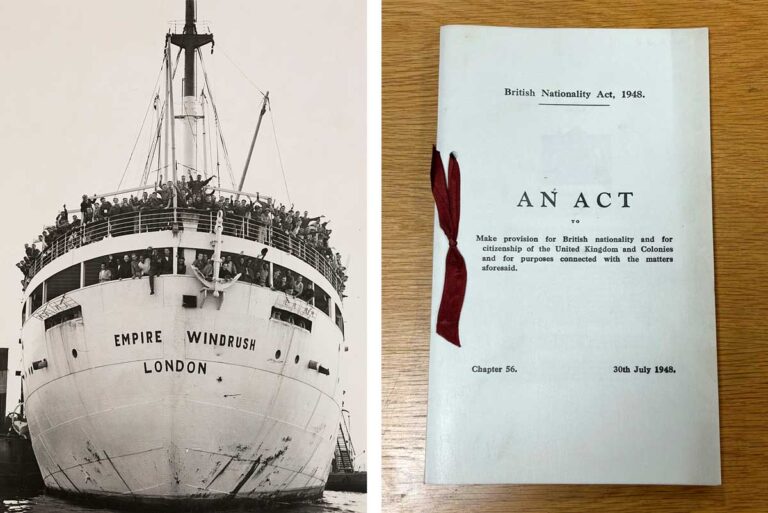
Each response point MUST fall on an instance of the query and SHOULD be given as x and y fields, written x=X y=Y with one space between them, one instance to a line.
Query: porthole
x=277 y=354
x=74 y=353
x=296 y=360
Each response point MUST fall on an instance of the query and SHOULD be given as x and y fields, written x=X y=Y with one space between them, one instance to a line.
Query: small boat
x=19 y=473
x=343 y=476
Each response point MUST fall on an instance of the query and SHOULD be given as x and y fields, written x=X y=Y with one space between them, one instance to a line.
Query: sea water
x=337 y=502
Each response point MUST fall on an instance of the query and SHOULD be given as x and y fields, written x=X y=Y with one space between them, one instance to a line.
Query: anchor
x=216 y=285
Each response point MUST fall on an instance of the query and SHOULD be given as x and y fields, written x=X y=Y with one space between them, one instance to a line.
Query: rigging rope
x=216 y=117
x=241 y=71
x=141 y=129
x=204 y=122
x=271 y=117
x=218 y=169
x=157 y=139
x=279 y=155
x=209 y=134
x=208 y=152
x=153 y=148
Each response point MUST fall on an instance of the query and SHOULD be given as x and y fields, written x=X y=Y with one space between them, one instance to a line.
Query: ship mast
x=253 y=143
x=191 y=113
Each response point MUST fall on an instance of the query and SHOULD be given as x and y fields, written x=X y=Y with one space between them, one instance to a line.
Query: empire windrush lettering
x=138 y=337
x=221 y=340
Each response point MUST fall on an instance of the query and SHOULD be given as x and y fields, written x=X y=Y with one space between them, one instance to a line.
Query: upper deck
x=76 y=261
x=180 y=219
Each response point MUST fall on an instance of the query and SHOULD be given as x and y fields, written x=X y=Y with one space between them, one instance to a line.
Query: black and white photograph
x=184 y=275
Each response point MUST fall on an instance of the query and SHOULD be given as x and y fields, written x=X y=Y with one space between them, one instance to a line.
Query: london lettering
x=175 y=366
x=138 y=337
x=221 y=340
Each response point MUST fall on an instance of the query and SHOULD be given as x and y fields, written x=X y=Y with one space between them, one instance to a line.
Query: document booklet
x=580 y=345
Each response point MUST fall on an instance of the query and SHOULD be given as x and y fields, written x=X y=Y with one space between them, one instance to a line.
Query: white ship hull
x=117 y=413
x=152 y=398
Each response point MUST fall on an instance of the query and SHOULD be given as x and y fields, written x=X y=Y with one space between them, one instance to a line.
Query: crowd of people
x=286 y=228
x=152 y=262
x=256 y=271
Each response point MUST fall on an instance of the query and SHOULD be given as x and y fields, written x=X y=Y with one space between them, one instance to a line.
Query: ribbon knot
x=448 y=203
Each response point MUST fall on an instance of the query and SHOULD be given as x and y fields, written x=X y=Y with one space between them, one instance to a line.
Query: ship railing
x=146 y=220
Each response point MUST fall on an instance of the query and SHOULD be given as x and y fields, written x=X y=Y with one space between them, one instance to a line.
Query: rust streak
x=50 y=474
x=246 y=477
x=68 y=479
x=220 y=472
x=264 y=465
x=118 y=473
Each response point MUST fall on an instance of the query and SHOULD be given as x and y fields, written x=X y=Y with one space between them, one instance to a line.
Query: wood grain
x=739 y=103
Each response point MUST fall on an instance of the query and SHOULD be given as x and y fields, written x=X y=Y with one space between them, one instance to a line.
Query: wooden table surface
x=739 y=104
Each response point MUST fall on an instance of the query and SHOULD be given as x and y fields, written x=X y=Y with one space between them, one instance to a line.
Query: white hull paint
x=179 y=419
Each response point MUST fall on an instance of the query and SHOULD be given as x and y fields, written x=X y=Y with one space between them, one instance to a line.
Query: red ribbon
x=448 y=199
